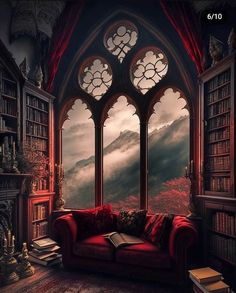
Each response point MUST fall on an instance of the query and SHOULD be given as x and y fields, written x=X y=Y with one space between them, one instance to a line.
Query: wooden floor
x=43 y=273
x=40 y=272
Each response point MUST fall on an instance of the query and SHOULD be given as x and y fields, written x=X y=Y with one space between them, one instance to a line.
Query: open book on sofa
x=122 y=239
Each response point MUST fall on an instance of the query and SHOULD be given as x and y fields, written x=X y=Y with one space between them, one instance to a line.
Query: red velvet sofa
x=142 y=261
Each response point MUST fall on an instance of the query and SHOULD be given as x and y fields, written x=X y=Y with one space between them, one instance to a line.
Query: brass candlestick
x=9 y=263
x=24 y=268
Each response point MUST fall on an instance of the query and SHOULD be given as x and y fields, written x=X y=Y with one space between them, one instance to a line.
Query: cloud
x=167 y=159
x=169 y=109
x=121 y=117
x=78 y=135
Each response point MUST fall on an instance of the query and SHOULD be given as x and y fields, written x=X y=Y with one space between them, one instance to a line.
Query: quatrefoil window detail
x=95 y=77
x=120 y=39
x=149 y=67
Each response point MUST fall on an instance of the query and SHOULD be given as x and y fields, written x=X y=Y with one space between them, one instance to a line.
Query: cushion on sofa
x=94 y=221
x=145 y=254
x=94 y=247
x=157 y=229
x=131 y=221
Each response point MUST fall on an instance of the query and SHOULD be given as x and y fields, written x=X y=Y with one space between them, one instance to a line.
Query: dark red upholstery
x=95 y=247
x=145 y=254
x=144 y=261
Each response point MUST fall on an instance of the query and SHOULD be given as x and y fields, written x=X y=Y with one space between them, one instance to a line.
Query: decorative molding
x=31 y=17
x=160 y=94
x=6 y=207
x=110 y=103
x=188 y=82
x=67 y=106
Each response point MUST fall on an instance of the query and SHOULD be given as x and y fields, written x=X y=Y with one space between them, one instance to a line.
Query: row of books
x=2 y=124
x=45 y=252
x=223 y=247
x=224 y=222
x=42 y=144
x=39 y=229
x=39 y=211
x=219 y=121
x=36 y=129
x=220 y=147
x=219 y=183
x=219 y=80
x=218 y=108
x=8 y=107
x=207 y=280
x=219 y=163
x=8 y=88
x=36 y=102
x=218 y=94
x=218 y=134
x=37 y=116
x=41 y=184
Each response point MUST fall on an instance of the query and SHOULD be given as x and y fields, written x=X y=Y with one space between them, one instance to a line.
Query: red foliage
x=173 y=198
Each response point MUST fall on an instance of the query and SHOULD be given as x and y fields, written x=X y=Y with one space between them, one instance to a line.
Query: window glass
x=150 y=67
x=78 y=150
x=168 y=150
x=121 y=156
x=121 y=38
x=95 y=77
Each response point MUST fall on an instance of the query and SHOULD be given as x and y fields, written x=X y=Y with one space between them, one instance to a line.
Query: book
x=212 y=287
x=44 y=243
x=42 y=255
x=122 y=239
x=47 y=249
x=205 y=275
x=49 y=261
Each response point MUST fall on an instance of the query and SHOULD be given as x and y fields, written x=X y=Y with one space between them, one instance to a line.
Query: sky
x=78 y=131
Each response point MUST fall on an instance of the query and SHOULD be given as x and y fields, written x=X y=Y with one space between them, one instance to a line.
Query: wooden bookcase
x=9 y=117
x=38 y=131
x=38 y=209
x=216 y=165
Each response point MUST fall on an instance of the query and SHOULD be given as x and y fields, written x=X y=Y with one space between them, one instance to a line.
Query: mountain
x=168 y=147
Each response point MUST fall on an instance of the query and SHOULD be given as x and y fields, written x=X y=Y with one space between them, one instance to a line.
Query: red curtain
x=61 y=37
x=184 y=20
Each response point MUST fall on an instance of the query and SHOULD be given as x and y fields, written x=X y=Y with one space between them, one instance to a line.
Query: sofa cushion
x=157 y=229
x=94 y=247
x=94 y=221
x=131 y=221
x=145 y=254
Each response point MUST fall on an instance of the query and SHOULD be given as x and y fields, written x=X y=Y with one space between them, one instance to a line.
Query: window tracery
x=120 y=39
x=95 y=77
x=150 y=67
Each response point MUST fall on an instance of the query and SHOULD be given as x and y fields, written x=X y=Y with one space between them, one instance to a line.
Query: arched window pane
x=121 y=156
x=78 y=149
x=149 y=67
x=95 y=77
x=168 y=137
x=121 y=38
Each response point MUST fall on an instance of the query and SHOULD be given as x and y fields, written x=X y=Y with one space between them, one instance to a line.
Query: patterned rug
x=60 y=281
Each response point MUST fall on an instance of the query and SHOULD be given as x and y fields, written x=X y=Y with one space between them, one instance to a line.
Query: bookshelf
x=38 y=209
x=219 y=134
x=38 y=134
x=215 y=165
x=38 y=131
x=9 y=118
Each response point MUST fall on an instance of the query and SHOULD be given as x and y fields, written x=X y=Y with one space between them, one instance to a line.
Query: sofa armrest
x=65 y=230
x=183 y=239
x=183 y=236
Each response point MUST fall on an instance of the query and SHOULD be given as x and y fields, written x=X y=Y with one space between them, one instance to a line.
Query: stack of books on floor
x=207 y=280
x=45 y=252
